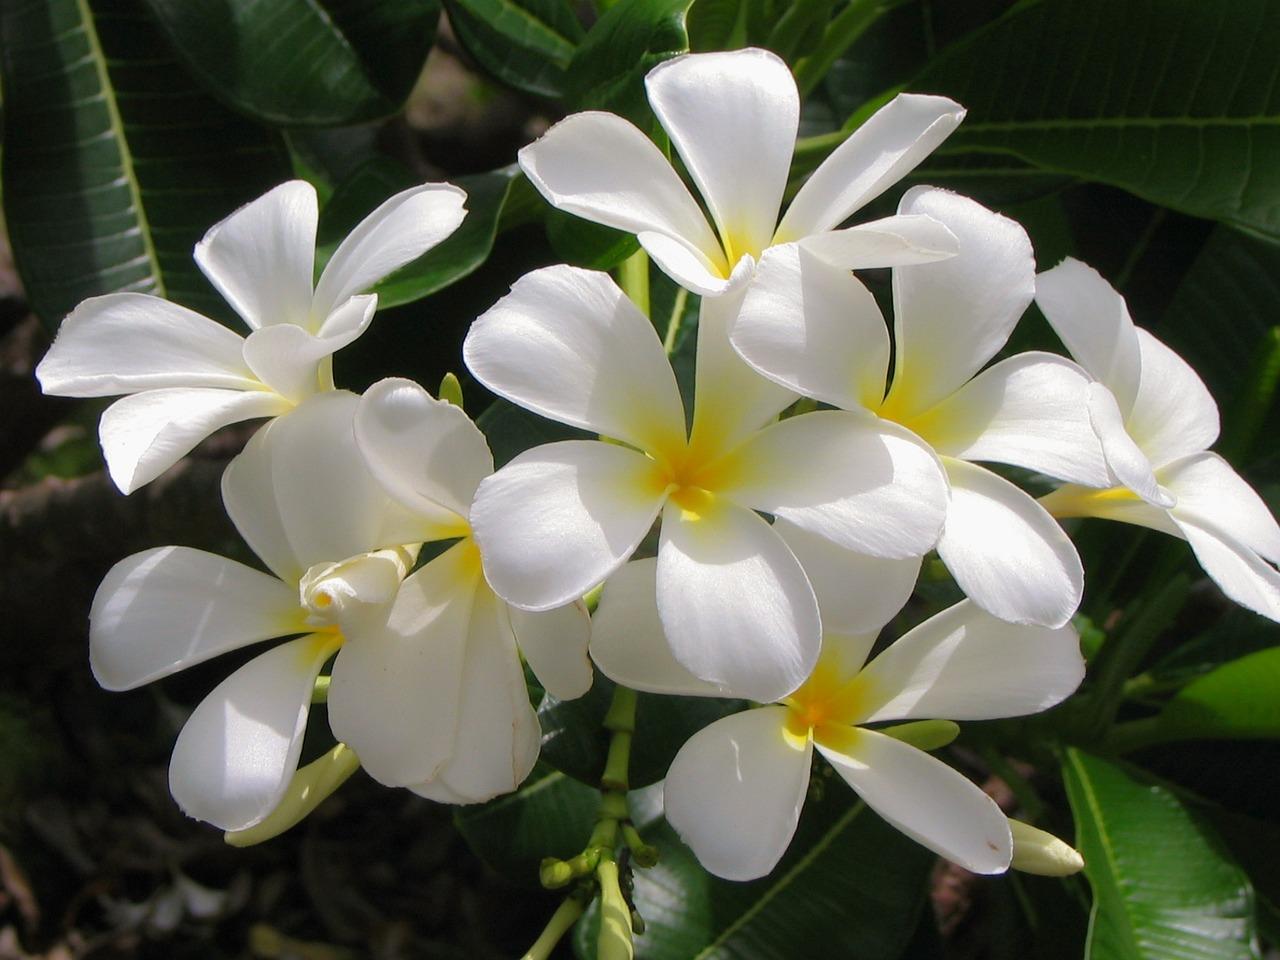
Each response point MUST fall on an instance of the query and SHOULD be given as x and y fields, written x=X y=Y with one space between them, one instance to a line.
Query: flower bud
x=1037 y=851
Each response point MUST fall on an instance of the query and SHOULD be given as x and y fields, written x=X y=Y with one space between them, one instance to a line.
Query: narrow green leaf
x=1177 y=102
x=1163 y=887
x=850 y=886
x=115 y=163
x=304 y=62
x=607 y=72
x=525 y=43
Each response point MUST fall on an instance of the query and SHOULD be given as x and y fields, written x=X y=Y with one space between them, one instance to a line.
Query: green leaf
x=575 y=741
x=1236 y=701
x=849 y=886
x=1163 y=887
x=511 y=430
x=304 y=62
x=455 y=258
x=1177 y=102
x=629 y=40
x=115 y=163
x=1221 y=316
x=525 y=43
x=551 y=815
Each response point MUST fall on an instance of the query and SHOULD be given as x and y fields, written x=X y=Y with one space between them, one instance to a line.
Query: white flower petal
x=569 y=344
x=1174 y=414
x=330 y=505
x=877 y=155
x=734 y=603
x=559 y=518
x=1093 y=321
x=555 y=644
x=438 y=791
x=686 y=265
x=248 y=494
x=1210 y=492
x=731 y=400
x=1006 y=552
x=603 y=169
x=239 y=748
x=287 y=358
x=145 y=434
x=1115 y=503
x=627 y=639
x=1243 y=576
x=498 y=733
x=427 y=453
x=952 y=316
x=261 y=257
x=925 y=799
x=867 y=484
x=396 y=691
x=813 y=328
x=896 y=241
x=1127 y=463
x=402 y=228
x=733 y=118
x=735 y=790
x=127 y=342
x=857 y=594
x=964 y=664
x=1030 y=410
x=162 y=610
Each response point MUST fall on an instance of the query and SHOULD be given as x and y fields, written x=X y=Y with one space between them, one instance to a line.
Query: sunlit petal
x=559 y=518
x=735 y=790
x=1006 y=552
x=876 y=156
x=261 y=257
x=734 y=603
x=238 y=750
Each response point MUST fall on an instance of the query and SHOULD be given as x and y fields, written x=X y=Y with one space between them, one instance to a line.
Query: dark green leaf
x=525 y=43
x=1237 y=701
x=1177 y=102
x=850 y=886
x=452 y=260
x=115 y=164
x=551 y=815
x=511 y=430
x=586 y=244
x=575 y=741
x=1163 y=887
x=304 y=62
x=634 y=36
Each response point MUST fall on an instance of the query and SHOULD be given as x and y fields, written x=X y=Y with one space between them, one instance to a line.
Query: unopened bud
x=615 y=917
x=1040 y=852
x=310 y=786
x=554 y=873
x=451 y=390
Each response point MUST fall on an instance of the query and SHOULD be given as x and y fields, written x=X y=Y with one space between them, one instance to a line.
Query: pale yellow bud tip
x=1037 y=851
x=615 y=941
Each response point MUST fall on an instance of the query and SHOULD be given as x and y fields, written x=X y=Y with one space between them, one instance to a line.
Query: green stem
x=1134 y=735
x=564 y=918
x=633 y=278
x=841 y=33
x=620 y=720
x=677 y=319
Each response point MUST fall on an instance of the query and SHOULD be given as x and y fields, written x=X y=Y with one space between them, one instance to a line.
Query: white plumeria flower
x=1156 y=420
x=560 y=518
x=302 y=498
x=733 y=118
x=187 y=375
x=437 y=698
x=815 y=329
x=746 y=776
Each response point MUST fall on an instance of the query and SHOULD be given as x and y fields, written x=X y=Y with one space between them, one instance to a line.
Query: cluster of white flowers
x=786 y=542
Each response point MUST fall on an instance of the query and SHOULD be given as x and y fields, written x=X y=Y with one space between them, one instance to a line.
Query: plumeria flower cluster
x=409 y=579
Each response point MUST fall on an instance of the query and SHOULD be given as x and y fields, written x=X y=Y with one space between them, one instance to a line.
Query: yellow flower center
x=828 y=704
